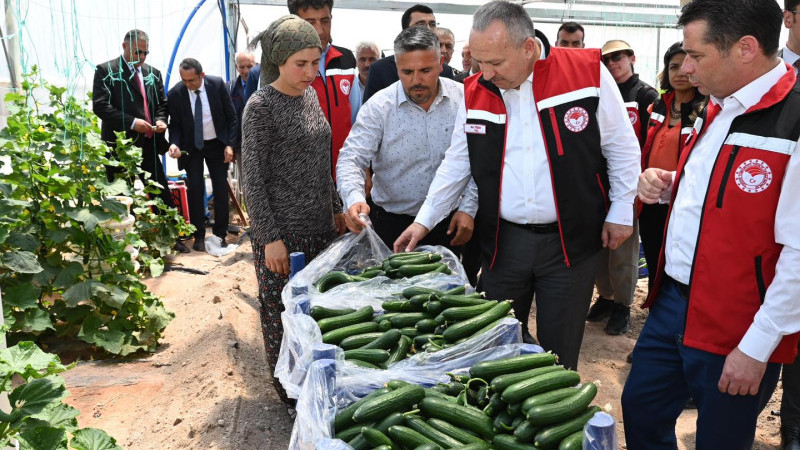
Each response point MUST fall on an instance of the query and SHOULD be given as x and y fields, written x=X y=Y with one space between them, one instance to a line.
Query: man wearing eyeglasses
x=128 y=95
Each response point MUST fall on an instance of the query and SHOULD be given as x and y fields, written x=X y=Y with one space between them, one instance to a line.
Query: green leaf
x=57 y=415
x=85 y=290
x=23 y=241
x=68 y=274
x=159 y=317
x=93 y=439
x=58 y=236
x=22 y=262
x=43 y=438
x=156 y=266
x=29 y=361
x=22 y=296
x=33 y=321
x=90 y=219
x=111 y=340
x=116 y=298
x=114 y=206
x=31 y=398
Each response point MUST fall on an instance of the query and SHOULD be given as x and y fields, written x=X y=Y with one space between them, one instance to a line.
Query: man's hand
x=174 y=151
x=160 y=126
x=741 y=374
x=276 y=257
x=339 y=222
x=652 y=184
x=229 y=156
x=463 y=224
x=410 y=237
x=354 y=223
x=615 y=234
x=142 y=126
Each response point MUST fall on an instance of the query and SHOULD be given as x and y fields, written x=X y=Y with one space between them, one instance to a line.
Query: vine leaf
x=21 y=261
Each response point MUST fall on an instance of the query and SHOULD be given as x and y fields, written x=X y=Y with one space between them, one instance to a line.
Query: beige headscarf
x=284 y=37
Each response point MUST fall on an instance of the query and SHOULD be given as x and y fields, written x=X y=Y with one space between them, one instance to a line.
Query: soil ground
x=207 y=386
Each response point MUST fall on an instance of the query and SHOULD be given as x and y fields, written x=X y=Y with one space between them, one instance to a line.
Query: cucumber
x=487 y=370
x=439 y=328
x=358 y=443
x=548 y=397
x=520 y=391
x=525 y=432
x=408 y=438
x=404 y=255
x=331 y=280
x=375 y=438
x=421 y=339
x=488 y=327
x=572 y=442
x=517 y=421
x=396 y=384
x=409 y=332
x=457 y=313
x=359 y=340
x=496 y=404
x=501 y=382
x=372 y=355
x=372 y=273
x=453 y=388
x=434 y=307
x=384 y=325
x=467 y=417
x=462 y=378
x=508 y=442
x=420 y=426
x=396 y=263
x=460 y=301
x=381 y=317
x=461 y=329
x=412 y=270
x=320 y=312
x=426 y=326
x=344 y=418
x=332 y=323
x=400 y=351
x=419 y=300
x=426 y=447
x=514 y=409
x=475 y=446
x=564 y=409
x=430 y=392
x=457 y=433
x=440 y=320
x=458 y=290
x=397 y=400
x=502 y=423
x=400 y=306
x=552 y=435
x=366 y=364
x=349 y=433
x=383 y=447
x=408 y=319
x=387 y=340
x=443 y=269
x=483 y=396
x=338 y=335
x=419 y=290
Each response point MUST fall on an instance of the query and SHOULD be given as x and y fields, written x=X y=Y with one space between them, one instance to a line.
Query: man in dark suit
x=244 y=63
x=202 y=128
x=128 y=95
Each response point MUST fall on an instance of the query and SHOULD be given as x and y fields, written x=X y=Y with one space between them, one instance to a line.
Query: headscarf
x=284 y=37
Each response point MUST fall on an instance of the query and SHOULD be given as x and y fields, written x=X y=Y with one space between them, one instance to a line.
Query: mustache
x=419 y=86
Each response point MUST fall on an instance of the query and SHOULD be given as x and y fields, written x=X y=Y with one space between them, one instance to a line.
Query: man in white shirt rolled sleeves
x=724 y=308
x=403 y=131
x=544 y=135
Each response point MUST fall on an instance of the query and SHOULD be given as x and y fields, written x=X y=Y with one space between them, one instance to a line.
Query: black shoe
x=630 y=357
x=180 y=247
x=199 y=244
x=600 y=309
x=528 y=339
x=620 y=320
x=790 y=438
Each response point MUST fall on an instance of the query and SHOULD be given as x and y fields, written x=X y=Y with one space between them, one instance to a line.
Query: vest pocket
x=726 y=175
x=556 y=132
x=762 y=288
x=602 y=191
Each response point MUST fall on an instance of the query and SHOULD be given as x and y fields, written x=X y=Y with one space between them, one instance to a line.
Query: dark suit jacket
x=181 y=119
x=236 y=91
x=117 y=101
x=252 y=82
x=383 y=73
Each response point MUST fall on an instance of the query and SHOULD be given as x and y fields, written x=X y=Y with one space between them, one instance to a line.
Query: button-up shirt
x=527 y=192
x=779 y=315
x=405 y=144
x=209 y=132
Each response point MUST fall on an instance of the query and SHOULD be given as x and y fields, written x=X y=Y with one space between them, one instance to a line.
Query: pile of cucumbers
x=422 y=320
x=397 y=265
x=519 y=403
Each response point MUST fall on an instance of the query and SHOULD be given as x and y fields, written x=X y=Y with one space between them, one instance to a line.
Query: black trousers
x=390 y=226
x=790 y=402
x=652 y=221
x=213 y=154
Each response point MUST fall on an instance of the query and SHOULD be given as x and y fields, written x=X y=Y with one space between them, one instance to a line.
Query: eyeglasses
x=793 y=12
x=613 y=57
x=142 y=52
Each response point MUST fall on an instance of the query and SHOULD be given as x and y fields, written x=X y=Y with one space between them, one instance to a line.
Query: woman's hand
x=340 y=223
x=276 y=257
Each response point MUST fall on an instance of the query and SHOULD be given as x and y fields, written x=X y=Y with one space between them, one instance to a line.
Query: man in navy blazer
x=202 y=128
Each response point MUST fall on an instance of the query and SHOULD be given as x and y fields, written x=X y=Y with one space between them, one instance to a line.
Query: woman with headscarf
x=290 y=194
x=671 y=121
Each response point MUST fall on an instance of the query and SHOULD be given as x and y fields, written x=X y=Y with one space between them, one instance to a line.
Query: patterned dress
x=290 y=194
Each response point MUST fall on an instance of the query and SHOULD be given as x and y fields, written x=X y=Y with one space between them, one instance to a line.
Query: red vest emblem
x=753 y=176
x=576 y=119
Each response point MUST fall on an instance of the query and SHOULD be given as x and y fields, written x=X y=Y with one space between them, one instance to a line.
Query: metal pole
x=11 y=45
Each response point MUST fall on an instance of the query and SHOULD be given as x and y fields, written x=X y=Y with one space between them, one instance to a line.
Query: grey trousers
x=531 y=264
x=619 y=270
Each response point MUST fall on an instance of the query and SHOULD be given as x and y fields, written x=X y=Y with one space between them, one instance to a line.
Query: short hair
x=246 y=52
x=790 y=5
x=191 y=64
x=405 y=21
x=512 y=15
x=297 y=5
x=729 y=20
x=663 y=77
x=135 y=35
x=416 y=38
x=370 y=45
x=571 y=27
x=443 y=30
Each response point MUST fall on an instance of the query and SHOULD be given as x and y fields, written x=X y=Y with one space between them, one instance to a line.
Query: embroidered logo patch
x=474 y=128
x=753 y=176
x=576 y=119
x=633 y=116
x=344 y=85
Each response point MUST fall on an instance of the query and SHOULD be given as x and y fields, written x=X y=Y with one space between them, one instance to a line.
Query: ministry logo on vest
x=633 y=117
x=344 y=85
x=576 y=119
x=753 y=176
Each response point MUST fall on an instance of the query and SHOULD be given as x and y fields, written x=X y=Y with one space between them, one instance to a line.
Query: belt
x=538 y=228
x=683 y=289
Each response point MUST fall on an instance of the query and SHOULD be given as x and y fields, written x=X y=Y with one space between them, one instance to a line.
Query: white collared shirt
x=780 y=313
x=527 y=192
x=209 y=132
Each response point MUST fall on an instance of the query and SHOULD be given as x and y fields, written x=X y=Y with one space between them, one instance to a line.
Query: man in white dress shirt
x=545 y=137
x=724 y=308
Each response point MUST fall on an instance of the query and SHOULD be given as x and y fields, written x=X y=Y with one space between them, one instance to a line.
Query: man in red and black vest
x=545 y=136
x=619 y=269
x=724 y=308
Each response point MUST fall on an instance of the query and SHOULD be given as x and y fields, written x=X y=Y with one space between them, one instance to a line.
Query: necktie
x=198 y=121
x=140 y=87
